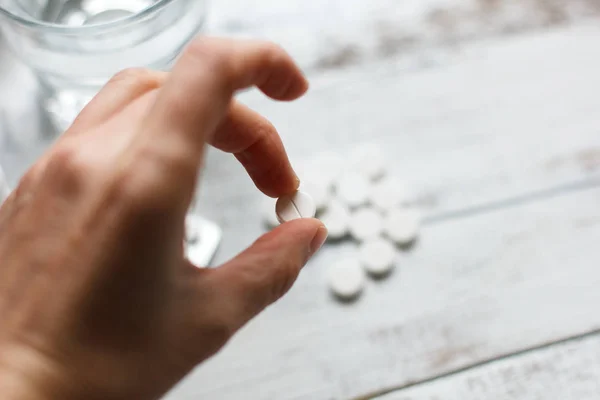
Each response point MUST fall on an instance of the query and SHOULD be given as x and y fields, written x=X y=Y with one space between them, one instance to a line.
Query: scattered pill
x=322 y=169
x=337 y=220
x=346 y=278
x=388 y=194
x=402 y=225
x=294 y=206
x=366 y=223
x=353 y=189
x=369 y=160
x=377 y=256
x=320 y=192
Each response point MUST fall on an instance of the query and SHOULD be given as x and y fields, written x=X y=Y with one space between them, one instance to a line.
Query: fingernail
x=297 y=181
x=318 y=241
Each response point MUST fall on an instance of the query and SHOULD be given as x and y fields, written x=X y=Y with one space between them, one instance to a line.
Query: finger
x=196 y=96
x=122 y=89
x=264 y=272
x=257 y=145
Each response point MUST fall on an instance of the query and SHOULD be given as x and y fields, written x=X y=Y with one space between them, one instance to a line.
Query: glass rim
x=59 y=28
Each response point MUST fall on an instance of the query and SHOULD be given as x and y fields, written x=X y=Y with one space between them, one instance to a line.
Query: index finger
x=195 y=98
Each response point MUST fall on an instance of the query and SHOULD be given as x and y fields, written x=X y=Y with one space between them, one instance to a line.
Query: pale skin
x=97 y=300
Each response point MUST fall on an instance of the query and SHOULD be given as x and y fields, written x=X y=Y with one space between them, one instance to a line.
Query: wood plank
x=473 y=289
x=500 y=121
x=568 y=371
x=334 y=34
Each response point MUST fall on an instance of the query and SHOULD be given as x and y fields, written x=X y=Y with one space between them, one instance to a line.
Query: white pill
x=324 y=168
x=346 y=278
x=366 y=223
x=369 y=160
x=294 y=206
x=269 y=214
x=352 y=189
x=192 y=231
x=388 y=194
x=320 y=192
x=337 y=220
x=377 y=256
x=402 y=225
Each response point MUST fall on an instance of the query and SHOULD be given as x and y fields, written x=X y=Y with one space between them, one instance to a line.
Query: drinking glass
x=4 y=188
x=75 y=46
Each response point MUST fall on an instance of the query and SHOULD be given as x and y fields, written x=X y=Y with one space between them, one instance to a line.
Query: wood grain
x=502 y=121
x=565 y=371
x=473 y=289
x=497 y=123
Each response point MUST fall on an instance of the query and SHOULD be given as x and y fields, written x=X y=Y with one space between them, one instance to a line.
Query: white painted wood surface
x=564 y=371
x=488 y=133
x=505 y=119
x=332 y=34
x=473 y=289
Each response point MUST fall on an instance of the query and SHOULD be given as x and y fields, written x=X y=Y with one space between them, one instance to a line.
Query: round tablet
x=369 y=160
x=377 y=256
x=346 y=278
x=402 y=225
x=269 y=214
x=294 y=206
x=337 y=220
x=388 y=194
x=192 y=232
x=353 y=189
x=323 y=169
x=320 y=192
x=366 y=223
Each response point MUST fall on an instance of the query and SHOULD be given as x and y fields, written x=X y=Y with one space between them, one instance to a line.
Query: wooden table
x=500 y=139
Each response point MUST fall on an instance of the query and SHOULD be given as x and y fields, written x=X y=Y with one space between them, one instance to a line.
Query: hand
x=97 y=300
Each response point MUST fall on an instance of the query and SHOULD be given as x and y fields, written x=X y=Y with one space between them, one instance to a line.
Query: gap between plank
x=515 y=201
x=480 y=364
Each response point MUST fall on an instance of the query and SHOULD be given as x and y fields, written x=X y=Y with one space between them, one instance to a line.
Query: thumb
x=264 y=272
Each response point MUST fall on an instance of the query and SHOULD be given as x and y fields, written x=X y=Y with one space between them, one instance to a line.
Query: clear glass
x=4 y=188
x=75 y=46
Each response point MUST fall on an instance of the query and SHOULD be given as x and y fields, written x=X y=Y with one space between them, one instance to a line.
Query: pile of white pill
x=357 y=199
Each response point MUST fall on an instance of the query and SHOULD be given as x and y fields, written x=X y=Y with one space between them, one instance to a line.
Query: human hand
x=97 y=300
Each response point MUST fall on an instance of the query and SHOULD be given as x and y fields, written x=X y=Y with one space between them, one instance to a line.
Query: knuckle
x=145 y=190
x=135 y=76
x=274 y=50
x=217 y=330
x=270 y=280
x=204 y=50
x=284 y=277
x=66 y=168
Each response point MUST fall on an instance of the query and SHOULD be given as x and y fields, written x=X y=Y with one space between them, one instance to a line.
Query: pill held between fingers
x=294 y=206
x=366 y=223
x=192 y=232
x=353 y=189
x=269 y=213
x=346 y=278
x=402 y=225
x=337 y=220
x=377 y=256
